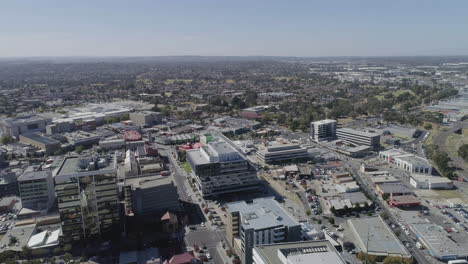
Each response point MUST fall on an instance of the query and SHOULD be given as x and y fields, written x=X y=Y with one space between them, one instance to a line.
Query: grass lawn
x=454 y=142
x=282 y=78
x=395 y=93
x=186 y=167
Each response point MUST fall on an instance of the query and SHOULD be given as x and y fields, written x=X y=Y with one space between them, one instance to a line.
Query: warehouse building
x=260 y=221
x=316 y=252
x=407 y=161
x=374 y=237
x=49 y=145
x=357 y=137
x=23 y=125
x=422 y=181
x=439 y=244
x=323 y=130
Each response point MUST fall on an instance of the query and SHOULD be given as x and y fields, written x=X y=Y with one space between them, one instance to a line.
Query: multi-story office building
x=87 y=197
x=323 y=130
x=22 y=125
x=36 y=189
x=64 y=127
x=146 y=118
x=8 y=184
x=261 y=221
x=311 y=252
x=357 y=137
x=277 y=152
x=219 y=168
x=151 y=195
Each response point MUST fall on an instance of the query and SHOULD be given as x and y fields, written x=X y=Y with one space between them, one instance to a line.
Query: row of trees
x=442 y=161
x=463 y=152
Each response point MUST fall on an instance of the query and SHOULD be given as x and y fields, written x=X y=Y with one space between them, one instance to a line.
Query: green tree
x=79 y=149
x=68 y=258
x=333 y=210
x=331 y=220
x=13 y=240
x=124 y=117
x=26 y=252
x=5 y=140
x=308 y=213
x=463 y=151
x=428 y=126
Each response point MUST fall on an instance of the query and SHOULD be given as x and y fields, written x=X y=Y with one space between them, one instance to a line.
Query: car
x=208 y=256
x=203 y=224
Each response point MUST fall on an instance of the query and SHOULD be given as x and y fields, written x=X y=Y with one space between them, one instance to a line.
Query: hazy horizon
x=236 y=28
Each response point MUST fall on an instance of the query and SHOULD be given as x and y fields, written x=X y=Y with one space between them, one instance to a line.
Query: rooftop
x=317 y=252
x=356 y=132
x=325 y=121
x=262 y=213
x=149 y=182
x=21 y=233
x=41 y=139
x=86 y=165
x=436 y=240
x=377 y=235
x=34 y=175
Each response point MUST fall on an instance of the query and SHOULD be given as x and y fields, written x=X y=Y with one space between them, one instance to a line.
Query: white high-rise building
x=323 y=130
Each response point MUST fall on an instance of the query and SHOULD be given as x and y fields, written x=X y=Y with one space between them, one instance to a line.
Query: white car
x=203 y=224
x=208 y=256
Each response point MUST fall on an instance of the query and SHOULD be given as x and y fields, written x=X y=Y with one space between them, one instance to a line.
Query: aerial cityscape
x=223 y=158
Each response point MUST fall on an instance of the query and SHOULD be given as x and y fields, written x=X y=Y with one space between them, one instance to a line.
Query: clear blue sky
x=233 y=27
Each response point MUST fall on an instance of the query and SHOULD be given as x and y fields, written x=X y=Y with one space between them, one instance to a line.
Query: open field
x=395 y=93
x=171 y=81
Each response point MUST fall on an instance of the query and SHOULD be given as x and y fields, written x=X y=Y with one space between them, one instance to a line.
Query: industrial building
x=58 y=128
x=36 y=189
x=404 y=201
x=219 y=168
x=22 y=125
x=375 y=237
x=422 y=181
x=49 y=145
x=323 y=130
x=145 y=118
x=151 y=195
x=407 y=161
x=280 y=151
x=256 y=222
x=439 y=244
x=316 y=252
x=87 y=198
x=357 y=137
x=393 y=189
x=110 y=144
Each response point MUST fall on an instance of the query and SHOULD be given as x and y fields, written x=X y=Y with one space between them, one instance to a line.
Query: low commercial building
x=439 y=244
x=323 y=130
x=316 y=252
x=151 y=195
x=260 y=221
x=407 y=161
x=422 y=181
x=146 y=118
x=392 y=189
x=404 y=201
x=278 y=152
x=24 y=125
x=82 y=138
x=384 y=179
x=111 y=144
x=357 y=137
x=219 y=168
x=375 y=237
x=49 y=145
x=36 y=189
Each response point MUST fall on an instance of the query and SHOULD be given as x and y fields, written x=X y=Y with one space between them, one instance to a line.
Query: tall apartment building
x=358 y=137
x=87 y=197
x=22 y=125
x=261 y=221
x=143 y=118
x=219 y=168
x=8 y=183
x=323 y=130
x=36 y=189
